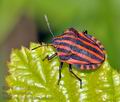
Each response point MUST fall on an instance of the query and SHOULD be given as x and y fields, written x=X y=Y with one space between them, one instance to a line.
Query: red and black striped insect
x=79 y=49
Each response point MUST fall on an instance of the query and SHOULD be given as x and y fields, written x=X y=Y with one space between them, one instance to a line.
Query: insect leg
x=60 y=67
x=50 y=57
x=42 y=46
x=85 y=31
x=70 y=69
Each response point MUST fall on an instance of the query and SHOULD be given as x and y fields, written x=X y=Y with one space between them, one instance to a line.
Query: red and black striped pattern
x=80 y=49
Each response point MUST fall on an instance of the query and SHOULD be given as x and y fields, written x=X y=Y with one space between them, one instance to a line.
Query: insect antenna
x=48 y=24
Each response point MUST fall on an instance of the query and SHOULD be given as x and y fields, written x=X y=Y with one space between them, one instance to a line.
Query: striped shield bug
x=79 y=49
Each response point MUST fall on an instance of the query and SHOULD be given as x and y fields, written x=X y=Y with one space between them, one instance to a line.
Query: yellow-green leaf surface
x=31 y=79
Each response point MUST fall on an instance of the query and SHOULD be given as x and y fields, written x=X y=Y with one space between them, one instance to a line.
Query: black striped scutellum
x=80 y=49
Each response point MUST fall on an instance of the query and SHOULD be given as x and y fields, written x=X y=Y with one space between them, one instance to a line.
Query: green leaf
x=32 y=79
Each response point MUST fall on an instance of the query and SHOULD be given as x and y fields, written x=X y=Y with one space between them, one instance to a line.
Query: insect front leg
x=50 y=57
x=60 y=68
x=70 y=69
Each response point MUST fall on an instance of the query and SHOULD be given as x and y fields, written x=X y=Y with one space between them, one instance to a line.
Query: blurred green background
x=22 y=21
